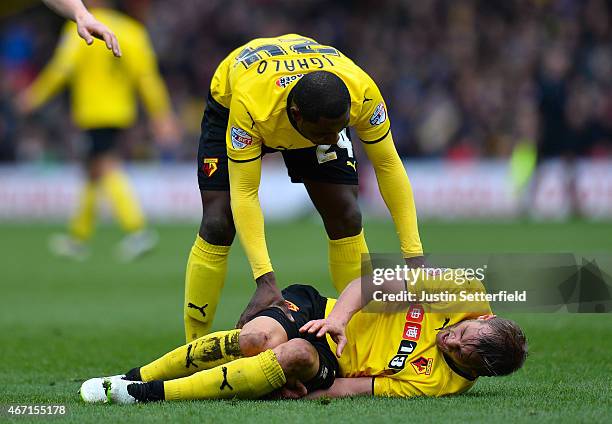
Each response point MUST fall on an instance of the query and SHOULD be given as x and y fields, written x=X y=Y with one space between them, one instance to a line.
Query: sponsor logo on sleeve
x=398 y=362
x=240 y=138
x=412 y=331
x=379 y=116
x=422 y=365
x=286 y=80
x=210 y=166
x=415 y=313
x=406 y=347
x=410 y=336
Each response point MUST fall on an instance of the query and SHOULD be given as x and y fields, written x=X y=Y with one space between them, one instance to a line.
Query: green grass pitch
x=63 y=322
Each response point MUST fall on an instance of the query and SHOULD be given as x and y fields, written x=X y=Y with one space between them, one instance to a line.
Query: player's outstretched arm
x=344 y=387
x=346 y=306
x=88 y=27
x=154 y=92
x=249 y=222
x=53 y=77
x=396 y=191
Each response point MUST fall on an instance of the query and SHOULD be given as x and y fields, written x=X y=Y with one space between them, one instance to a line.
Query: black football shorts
x=306 y=304
x=331 y=164
x=101 y=141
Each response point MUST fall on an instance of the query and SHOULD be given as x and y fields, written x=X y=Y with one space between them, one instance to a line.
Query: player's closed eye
x=461 y=344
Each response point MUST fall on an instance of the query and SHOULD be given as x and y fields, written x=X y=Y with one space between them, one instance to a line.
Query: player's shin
x=345 y=259
x=82 y=224
x=123 y=200
x=204 y=279
x=204 y=353
x=246 y=378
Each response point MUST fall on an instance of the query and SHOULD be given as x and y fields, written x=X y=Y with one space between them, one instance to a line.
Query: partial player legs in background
x=106 y=177
x=74 y=244
x=124 y=202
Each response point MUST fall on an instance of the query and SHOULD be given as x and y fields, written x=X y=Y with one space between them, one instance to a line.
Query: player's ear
x=295 y=113
x=486 y=317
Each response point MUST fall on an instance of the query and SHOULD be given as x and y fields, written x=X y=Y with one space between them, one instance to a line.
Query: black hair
x=321 y=94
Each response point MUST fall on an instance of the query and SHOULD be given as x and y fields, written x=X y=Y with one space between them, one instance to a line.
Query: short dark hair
x=321 y=94
x=503 y=350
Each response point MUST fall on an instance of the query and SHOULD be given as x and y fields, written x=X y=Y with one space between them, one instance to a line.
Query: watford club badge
x=422 y=365
x=291 y=306
x=210 y=166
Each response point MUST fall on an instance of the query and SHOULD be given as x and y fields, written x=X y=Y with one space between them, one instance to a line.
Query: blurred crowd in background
x=462 y=78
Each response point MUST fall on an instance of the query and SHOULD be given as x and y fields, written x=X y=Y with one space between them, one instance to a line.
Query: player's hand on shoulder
x=332 y=327
x=89 y=27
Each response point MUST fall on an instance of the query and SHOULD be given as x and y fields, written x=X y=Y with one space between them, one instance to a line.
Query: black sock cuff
x=147 y=392
x=133 y=375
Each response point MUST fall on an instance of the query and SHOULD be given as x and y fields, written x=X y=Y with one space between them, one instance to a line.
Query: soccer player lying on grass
x=423 y=350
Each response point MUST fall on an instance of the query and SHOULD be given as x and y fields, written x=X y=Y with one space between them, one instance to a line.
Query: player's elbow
x=388 y=163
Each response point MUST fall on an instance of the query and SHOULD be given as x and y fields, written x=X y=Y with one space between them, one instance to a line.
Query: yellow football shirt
x=254 y=82
x=400 y=350
x=104 y=88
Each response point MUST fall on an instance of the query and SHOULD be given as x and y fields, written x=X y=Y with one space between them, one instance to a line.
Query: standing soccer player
x=104 y=102
x=293 y=95
x=87 y=25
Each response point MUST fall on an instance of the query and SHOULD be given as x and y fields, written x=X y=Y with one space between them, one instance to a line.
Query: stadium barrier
x=443 y=191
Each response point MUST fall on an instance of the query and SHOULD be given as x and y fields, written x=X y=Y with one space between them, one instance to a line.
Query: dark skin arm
x=267 y=294
x=416 y=261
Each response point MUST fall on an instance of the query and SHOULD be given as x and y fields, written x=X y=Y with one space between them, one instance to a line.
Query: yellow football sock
x=345 y=259
x=204 y=353
x=82 y=224
x=246 y=378
x=204 y=281
x=123 y=201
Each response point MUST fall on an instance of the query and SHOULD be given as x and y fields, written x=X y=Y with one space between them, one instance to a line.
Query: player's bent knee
x=298 y=358
x=253 y=342
x=217 y=226
x=218 y=229
x=352 y=219
x=260 y=334
x=347 y=223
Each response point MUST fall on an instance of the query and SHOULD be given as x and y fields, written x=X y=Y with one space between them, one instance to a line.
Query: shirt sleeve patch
x=240 y=138
x=379 y=116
